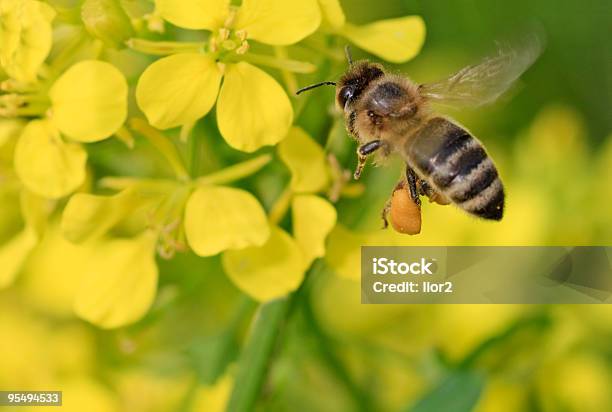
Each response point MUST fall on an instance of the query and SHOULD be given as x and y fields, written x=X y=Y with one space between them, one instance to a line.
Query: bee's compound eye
x=345 y=94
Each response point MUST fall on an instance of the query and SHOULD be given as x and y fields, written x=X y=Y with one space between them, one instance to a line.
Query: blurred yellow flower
x=13 y=253
x=46 y=164
x=119 y=281
x=25 y=37
x=576 y=383
x=49 y=278
x=182 y=88
x=213 y=398
x=21 y=227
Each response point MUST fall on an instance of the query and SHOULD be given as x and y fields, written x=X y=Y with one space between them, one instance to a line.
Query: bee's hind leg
x=363 y=152
x=434 y=196
x=412 y=180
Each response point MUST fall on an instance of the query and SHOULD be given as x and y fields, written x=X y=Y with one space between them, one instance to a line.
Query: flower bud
x=106 y=20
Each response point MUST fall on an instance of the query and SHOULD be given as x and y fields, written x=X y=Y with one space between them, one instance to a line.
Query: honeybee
x=389 y=113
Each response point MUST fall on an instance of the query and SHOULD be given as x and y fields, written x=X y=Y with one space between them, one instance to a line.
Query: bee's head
x=353 y=82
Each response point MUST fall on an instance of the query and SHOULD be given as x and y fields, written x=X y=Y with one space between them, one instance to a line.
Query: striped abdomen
x=456 y=164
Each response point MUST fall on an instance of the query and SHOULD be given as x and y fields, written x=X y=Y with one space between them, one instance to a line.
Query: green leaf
x=458 y=392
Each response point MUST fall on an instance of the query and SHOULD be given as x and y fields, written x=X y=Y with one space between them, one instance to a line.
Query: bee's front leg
x=363 y=152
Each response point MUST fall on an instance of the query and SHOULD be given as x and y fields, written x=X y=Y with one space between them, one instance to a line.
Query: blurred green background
x=552 y=142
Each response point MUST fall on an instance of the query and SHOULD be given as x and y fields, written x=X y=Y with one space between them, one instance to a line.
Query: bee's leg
x=411 y=179
x=385 y=212
x=363 y=152
x=434 y=196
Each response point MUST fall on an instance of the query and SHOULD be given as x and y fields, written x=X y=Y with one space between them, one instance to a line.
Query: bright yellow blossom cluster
x=78 y=86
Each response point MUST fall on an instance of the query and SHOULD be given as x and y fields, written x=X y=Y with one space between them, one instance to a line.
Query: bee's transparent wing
x=484 y=82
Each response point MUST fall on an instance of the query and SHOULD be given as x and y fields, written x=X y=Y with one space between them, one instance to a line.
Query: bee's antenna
x=349 y=55
x=313 y=86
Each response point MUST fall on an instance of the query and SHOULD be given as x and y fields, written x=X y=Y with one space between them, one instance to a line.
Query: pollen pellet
x=404 y=213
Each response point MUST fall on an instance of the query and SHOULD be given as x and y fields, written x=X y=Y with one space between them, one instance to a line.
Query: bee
x=389 y=113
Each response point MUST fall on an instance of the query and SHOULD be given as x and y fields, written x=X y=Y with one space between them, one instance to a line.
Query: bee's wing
x=484 y=82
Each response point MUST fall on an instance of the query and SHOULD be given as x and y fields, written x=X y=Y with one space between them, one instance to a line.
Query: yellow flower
x=276 y=268
x=87 y=103
x=163 y=215
x=395 y=40
x=25 y=37
x=252 y=108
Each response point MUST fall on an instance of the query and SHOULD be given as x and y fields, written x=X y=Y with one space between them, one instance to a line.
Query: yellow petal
x=53 y=272
x=178 y=89
x=34 y=37
x=269 y=271
x=278 y=22
x=221 y=218
x=332 y=12
x=119 y=284
x=90 y=101
x=88 y=216
x=35 y=211
x=13 y=254
x=306 y=161
x=194 y=14
x=46 y=164
x=10 y=30
x=10 y=129
x=395 y=40
x=313 y=219
x=253 y=109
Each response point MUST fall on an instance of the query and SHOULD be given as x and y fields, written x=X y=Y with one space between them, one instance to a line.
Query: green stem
x=163 y=145
x=295 y=66
x=146 y=185
x=281 y=206
x=255 y=358
x=235 y=172
x=164 y=48
x=288 y=77
x=257 y=354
